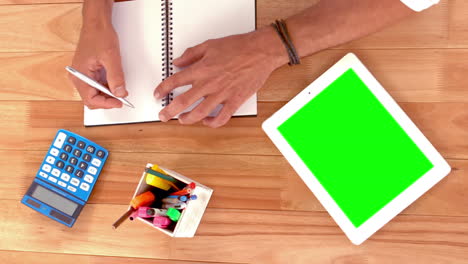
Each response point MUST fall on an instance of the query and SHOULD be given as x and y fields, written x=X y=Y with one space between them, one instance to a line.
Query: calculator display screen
x=54 y=200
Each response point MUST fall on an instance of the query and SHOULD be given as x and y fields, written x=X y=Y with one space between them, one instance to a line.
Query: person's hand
x=98 y=57
x=225 y=71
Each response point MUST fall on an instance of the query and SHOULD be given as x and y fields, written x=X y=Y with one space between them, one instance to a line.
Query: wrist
x=97 y=13
x=271 y=47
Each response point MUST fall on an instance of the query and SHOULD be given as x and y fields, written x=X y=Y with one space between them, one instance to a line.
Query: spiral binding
x=167 y=55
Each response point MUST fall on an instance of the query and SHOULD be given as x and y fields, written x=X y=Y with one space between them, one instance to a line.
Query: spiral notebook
x=154 y=32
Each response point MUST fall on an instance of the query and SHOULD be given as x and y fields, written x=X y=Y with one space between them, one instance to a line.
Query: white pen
x=96 y=85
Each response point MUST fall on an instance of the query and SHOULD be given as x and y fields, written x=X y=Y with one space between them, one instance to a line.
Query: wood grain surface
x=261 y=211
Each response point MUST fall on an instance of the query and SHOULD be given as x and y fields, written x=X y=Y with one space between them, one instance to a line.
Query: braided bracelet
x=282 y=30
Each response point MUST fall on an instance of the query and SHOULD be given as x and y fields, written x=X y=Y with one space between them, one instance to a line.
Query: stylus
x=96 y=85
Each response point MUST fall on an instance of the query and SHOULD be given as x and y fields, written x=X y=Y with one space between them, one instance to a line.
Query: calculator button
x=100 y=154
x=50 y=159
x=83 y=166
x=71 y=140
x=43 y=174
x=81 y=144
x=58 y=143
x=65 y=177
x=64 y=156
x=87 y=157
x=61 y=183
x=60 y=164
x=75 y=181
x=54 y=152
x=79 y=173
x=96 y=162
x=71 y=188
x=52 y=179
x=91 y=149
x=46 y=168
x=92 y=170
x=89 y=178
x=84 y=186
x=74 y=161
x=68 y=148
x=55 y=172
x=77 y=153
x=69 y=169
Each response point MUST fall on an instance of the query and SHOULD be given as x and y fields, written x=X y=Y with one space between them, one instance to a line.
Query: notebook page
x=138 y=25
x=198 y=20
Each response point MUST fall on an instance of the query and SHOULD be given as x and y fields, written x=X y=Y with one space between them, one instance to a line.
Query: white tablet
x=355 y=148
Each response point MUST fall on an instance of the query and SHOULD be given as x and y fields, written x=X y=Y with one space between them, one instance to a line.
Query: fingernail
x=119 y=91
x=157 y=95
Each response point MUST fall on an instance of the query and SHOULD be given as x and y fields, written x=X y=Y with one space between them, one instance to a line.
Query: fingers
x=191 y=55
x=179 y=104
x=224 y=115
x=102 y=101
x=179 y=79
x=201 y=111
x=92 y=98
x=114 y=72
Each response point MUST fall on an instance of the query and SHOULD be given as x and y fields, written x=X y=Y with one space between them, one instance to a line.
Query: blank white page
x=138 y=25
x=195 y=21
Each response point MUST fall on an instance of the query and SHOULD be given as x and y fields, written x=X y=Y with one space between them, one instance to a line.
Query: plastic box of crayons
x=191 y=212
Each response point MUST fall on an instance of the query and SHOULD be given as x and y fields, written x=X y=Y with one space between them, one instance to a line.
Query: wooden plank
x=247 y=182
x=458 y=23
x=36 y=76
x=45 y=27
x=30 y=2
x=13 y=121
x=248 y=236
x=32 y=125
x=21 y=257
x=239 y=181
x=55 y=27
x=425 y=75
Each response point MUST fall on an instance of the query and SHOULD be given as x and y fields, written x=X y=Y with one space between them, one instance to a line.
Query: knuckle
x=189 y=51
x=220 y=121
x=208 y=42
x=90 y=106
x=169 y=110
x=169 y=82
x=109 y=51
x=195 y=116
x=181 y=100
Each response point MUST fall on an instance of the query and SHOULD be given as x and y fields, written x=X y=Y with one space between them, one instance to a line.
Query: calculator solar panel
x=66 y=177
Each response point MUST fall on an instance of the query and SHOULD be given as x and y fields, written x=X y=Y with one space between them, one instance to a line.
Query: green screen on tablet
x=354 y=147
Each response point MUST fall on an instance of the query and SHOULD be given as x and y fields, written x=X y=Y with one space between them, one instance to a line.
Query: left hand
x=225 y=71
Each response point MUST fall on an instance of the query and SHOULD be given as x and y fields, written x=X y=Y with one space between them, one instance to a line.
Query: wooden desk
x=261 y=212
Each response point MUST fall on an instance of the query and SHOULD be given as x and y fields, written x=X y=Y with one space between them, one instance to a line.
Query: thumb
x=190 y=56
x=114 y=74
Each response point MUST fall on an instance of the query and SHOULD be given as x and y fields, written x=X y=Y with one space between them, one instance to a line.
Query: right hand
x=98 y=54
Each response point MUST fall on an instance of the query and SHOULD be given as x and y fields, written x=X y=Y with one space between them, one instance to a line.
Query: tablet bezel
x=363 y=232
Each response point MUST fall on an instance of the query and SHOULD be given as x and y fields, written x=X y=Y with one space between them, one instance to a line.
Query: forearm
x=97 y=12
x=333 y=22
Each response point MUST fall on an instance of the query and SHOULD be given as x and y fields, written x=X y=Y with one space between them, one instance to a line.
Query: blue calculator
x=66 y=177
